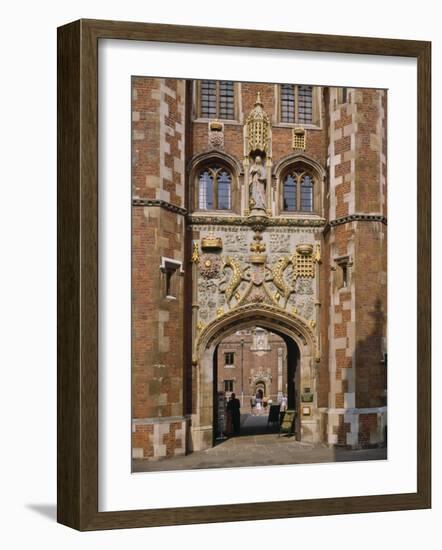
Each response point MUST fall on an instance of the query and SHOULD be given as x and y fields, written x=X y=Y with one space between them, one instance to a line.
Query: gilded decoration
x=251 y=221
x=216 y=134
x=318 y=258
x=229 y=285
x=256 y=262
x=304 y=261
x=303 y=329
x=257 y=248
x=211 y=242
x=258 y=128
x=209 y=265
x=195 y=253
x=283 y=279
x=277 y=271
x=298 y=139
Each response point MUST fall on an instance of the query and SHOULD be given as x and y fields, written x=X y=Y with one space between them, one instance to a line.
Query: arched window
x=214 y=188
x=297 y=193
x=306 y=193
x=205 y=190
x=290 y=194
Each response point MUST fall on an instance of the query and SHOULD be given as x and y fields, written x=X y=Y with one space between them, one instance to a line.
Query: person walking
x=233 y=407
x=252 y=403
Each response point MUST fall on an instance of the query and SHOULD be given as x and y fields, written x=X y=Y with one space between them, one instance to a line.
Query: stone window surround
x=344 y=263
x=298 y=178
x=317 y=111
x=315 y=170
x=214 y=170
x=169 y=265
x=229 y=365
x=196 y=109
x=202 y=161
x=230 y=385
x=239 y=115
x=343 y=96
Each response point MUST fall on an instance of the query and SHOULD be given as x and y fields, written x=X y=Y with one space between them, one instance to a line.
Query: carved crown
x=211 y=242
x=304 y=249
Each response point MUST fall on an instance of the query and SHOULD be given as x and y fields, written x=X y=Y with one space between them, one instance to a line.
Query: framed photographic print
x=244 y=246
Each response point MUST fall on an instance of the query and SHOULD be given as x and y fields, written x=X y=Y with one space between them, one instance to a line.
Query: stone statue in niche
x=257 y=174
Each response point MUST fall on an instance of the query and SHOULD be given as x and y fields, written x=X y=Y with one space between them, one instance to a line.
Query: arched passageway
x=300 y=353
x=260 y=368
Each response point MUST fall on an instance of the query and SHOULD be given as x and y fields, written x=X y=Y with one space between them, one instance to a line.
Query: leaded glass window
x=215 y=188
x=208 y=98
x=306 y=193
x=217 y=99
x=297 y=192
x=296 y=104
x=287 y=103
x=305 y=112
x=205 y=190
x=290 y=193
x=224 y=181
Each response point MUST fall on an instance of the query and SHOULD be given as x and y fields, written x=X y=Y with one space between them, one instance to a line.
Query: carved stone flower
x=210 y=266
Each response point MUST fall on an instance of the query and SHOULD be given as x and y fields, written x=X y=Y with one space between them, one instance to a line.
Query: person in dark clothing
x=233 y=406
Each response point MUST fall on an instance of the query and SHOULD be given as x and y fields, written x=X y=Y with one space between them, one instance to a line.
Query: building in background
x=252 y=363
x=258 y=205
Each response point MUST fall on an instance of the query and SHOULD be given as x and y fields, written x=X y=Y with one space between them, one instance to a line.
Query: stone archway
x=260 y=389
x=292 y=328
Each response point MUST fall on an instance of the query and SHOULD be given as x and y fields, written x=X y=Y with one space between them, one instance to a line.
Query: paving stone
x=260 y=449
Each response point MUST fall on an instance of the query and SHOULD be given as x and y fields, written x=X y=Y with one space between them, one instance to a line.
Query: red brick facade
x=158 y=240
x=340 y=312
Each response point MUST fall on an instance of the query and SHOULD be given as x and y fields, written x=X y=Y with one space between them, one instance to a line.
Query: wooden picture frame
x=78 y=274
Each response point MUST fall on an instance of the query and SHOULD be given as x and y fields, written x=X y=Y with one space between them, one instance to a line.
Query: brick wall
x=371 y=314
x=316 y=141
x=158 y=233
x=357 y=310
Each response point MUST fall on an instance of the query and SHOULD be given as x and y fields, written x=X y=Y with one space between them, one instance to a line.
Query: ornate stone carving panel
x=279 y=242
x=276 y=267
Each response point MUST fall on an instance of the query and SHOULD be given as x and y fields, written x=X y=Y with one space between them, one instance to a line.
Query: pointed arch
x=299 y=185
x=214 y=155
x=300 y=158
x=269 y=317
x=296 y=332
x=214 y=176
